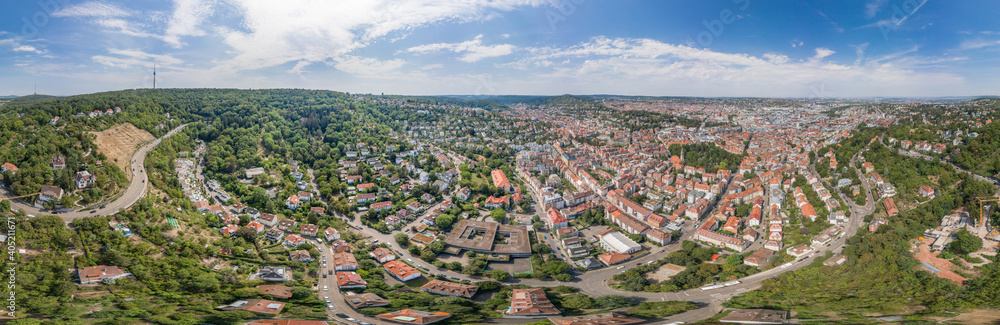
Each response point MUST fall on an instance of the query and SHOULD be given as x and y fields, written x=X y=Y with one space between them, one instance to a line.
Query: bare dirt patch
x=664 y=273
x=974 y=317
x=119 y=142
x=925 y=255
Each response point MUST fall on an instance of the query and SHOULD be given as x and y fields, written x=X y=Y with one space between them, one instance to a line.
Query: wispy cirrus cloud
x=873 y=7
x=472 y=50
x=637 y=66
x=93 y=9
x=276 y=33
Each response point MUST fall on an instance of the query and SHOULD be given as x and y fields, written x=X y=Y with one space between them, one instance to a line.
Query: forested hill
x=304 y=125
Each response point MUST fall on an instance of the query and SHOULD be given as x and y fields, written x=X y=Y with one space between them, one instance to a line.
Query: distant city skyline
x=736 y=48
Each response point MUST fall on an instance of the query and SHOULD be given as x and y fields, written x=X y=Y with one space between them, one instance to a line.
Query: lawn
x=660 y=309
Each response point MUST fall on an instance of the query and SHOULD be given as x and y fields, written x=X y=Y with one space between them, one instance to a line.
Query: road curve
x=136 y=188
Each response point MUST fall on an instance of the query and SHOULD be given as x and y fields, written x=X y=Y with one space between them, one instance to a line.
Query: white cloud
x=186 y=19
x=474 y=50
x=92 y=9
x=873 y=7
x=274 y=33
x=821 y=53
x=26 y=48
x=894 y=21
x=367 y=66
x=132 y=58
x=125 y=27
x=860 y=51
x=643 y=66
x=797 y=43
x=977 y=44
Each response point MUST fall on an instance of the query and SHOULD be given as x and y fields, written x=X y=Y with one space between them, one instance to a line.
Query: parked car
x=341 y=315
x=325 y=288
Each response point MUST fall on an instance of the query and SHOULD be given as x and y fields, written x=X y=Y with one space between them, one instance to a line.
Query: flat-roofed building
x=490 y=237
x=617 y=242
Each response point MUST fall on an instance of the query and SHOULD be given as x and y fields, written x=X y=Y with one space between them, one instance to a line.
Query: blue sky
x=497 y=47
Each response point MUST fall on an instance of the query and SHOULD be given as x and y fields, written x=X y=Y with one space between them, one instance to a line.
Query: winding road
x=136 y=188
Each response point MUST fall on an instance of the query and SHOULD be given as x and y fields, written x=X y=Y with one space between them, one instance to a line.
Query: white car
x=410 y=260
x=327 y=298
x=621 y=267
x=325 y=288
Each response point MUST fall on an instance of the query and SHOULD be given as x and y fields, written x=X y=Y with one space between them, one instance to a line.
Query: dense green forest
x=708 y=156
x=642 y=120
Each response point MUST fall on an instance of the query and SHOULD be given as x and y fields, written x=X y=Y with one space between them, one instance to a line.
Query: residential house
x=309 y=230
x=658 y=236
x=274 y=234
x=272 y=274
x=256 y=226
x=83 y=179
x=344 y=262
x=292 y=202
x=411 y=316
x=350 y=280
x=50 y=193
x=382 y=255
x=8 y=167
x=530 y=303
x=229 y=230
x=58 y=163
x=300 y=255
x=259 y=306
x=450 y=288
x=401 y=271
x=286 y=224
x=364 y=300
x=759 y=257
x=275 y=291
x=268 y=219
x=96 y=274
x=293 y=240
x=331 y=234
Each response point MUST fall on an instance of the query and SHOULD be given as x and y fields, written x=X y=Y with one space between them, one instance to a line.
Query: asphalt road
x=136 y=188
